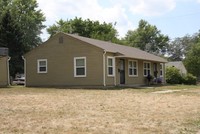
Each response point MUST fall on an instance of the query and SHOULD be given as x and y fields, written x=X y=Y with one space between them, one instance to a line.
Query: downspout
x=8 y=68
x=104 y=68
x=115 y=77
x=164 y=73
x=24 y=69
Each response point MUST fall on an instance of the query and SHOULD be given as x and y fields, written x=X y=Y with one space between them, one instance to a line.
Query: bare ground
x=74 y=111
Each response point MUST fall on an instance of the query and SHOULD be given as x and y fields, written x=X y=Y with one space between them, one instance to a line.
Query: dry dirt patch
x=30 y=110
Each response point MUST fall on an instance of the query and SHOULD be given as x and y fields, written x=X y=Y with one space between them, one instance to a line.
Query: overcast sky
x=174 y=18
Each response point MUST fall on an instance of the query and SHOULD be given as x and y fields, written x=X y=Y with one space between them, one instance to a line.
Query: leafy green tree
x=196 y=37
x=11 y=37
x=86 y=28
x=192 y=60
x=148 y=38
x=21 y=25
x=29 y=19
x=3 y=5
x=179 y=47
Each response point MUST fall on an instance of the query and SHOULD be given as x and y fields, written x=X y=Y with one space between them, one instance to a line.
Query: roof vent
x=61 y=40
x=3 y=51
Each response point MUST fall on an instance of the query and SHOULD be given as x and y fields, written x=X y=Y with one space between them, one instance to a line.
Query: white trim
x=24 y=69
x=38 y=66
x=115 y=78
x=104 y=68
x=113 y=66
x=147 y=68
x=8 y=69
x=85 y=67
x=164 y=76
x=133 y=68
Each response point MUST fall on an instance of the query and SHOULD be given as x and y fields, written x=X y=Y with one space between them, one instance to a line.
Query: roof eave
x=123 y=56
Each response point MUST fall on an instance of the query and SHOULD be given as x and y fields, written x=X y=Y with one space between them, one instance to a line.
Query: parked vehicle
x=19 y=80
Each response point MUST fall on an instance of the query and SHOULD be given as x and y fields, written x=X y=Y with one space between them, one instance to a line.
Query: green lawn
x=74 y=111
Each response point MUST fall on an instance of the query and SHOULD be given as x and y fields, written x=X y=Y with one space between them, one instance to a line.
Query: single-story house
x=72 y=60
x=179 y=65
x=4 y=67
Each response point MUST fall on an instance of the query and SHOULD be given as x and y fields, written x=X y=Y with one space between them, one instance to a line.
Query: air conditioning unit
x=3 y=51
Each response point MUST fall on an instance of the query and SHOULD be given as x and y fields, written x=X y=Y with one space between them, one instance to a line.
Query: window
x=161 y=69
x=147 y=68
x=42 y=65
x=133 y=68
x=80 y=67
x=111 y=66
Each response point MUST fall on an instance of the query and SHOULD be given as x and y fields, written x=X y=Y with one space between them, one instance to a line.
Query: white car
x=19 y=81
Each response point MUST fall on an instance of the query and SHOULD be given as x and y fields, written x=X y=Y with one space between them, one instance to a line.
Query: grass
x=74 y=111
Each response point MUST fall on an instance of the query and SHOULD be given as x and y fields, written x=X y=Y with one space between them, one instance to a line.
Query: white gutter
x=24 y=69
x=104 y=69
x=8 y=68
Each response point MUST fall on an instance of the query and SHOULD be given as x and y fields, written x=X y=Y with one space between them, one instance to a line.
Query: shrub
x=173 y=75
x=190 y=79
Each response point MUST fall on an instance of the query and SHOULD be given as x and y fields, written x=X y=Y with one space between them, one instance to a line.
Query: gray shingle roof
x=125 y=51
x=174 y=63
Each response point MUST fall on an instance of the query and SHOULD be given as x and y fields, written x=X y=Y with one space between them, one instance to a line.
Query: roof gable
x=177 y=64
x=119 y=50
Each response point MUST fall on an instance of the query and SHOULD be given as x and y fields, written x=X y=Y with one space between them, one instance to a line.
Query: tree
x=86 y=28
x=11 y=37
x=29 y=19
x=3 y=5
x=148 y=38
x=196 y=37
x=21 y=25
x=179 y=47
x=192 y=60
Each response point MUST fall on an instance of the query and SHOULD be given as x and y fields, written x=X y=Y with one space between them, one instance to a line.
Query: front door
x=122 y=71
x=155 y=70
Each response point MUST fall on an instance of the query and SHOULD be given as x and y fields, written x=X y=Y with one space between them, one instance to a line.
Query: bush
x=173 y=76
x=190 y=79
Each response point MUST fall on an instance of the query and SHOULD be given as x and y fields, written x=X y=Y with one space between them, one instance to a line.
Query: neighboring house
x=4 y=67
x=72 y=60
x=179 y=65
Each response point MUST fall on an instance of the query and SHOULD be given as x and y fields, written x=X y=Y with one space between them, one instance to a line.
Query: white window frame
x=113 y=66
x=133 y=75
x=145 y=62
x=38 y=66
x=161 y=69
x=75 y=67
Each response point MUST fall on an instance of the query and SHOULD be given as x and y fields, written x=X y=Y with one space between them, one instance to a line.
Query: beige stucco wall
x=61 y=63
x=3 y=71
